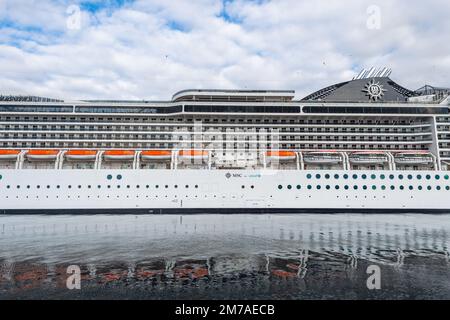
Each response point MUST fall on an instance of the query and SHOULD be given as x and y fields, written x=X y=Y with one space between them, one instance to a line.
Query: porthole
x=364 y=176
x=186 y=186
x=437 y=177
x=318 y=187
x=429 y=188
x=318 y=176
x=166 y=186
x=411 y=188
x=242 y=187
x=419 y=177
x=299 y=187
x=355 y=187
x=280 y=186
x=8 y=187
x=118 y=186
x=355 y=176
x=157 y=186
x=109 y=177
x=446 y=177
x=147 y=186
x=79 y=187
x=18 y=187
x=383 y=187
x=28 y=186
x=364 y=187
x=402 y=187
x=374 y=187
x=196 y=186
x=345 y=176
x=309 y=187
x=308 y=176
x=392 y=187
x=328 y=187
x=289 y=187
x=327 y=176
x=175 y=186
x=336 y=176
x=391 y=176
x=336 y=187
x=420 y=187
x=99 y=186
x=1 y=177
x=128 y=186
x=109 y=186
x=382 y=176
x=438 y=188
x=400 y=176
x=119 y=177
x=373 y=176
x=48 y=187
x=346 y=187
x=428 y=177
x=252 y=187
x=58 y=186
x=138 y=186
x=410 y=176
x=447 y=188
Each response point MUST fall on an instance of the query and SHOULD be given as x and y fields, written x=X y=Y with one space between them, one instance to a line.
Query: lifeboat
x=368 y=157
x=414 y=157
x=119 y=155
x=322 y=157
x=281 y=155
x=9 y=154
x=156 y=155
x=193 y=154
x=81 y=154
x=38 y=154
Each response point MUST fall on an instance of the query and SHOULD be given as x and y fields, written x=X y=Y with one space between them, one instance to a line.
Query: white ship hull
x=145 y=191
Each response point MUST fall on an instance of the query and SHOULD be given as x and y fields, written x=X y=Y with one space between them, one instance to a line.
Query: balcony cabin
x=155 y=159
x=192 y=159
x=118 y=159
x=369 y=160
x=281 y=160
x=79 y=159
x=40 y=159
x=415 y=160
x=8 y=158
x=235 y=160
x=323 y=160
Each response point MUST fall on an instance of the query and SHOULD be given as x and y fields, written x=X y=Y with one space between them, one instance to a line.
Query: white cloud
x=134 y=52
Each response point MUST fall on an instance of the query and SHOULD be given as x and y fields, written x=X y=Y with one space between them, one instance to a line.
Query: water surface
x=225 y=256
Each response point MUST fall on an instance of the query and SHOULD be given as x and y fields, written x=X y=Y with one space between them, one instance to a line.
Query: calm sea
x=304 y=256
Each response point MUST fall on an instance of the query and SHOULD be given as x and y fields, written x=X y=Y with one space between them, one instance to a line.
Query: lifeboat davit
x=119 y=155
x=193 y=154
x=281 y=155
x=9 y=154
x=156 y=155
x=38 y=154
x=81 y=154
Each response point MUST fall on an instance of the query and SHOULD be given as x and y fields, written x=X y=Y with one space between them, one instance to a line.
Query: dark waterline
x=304 y=256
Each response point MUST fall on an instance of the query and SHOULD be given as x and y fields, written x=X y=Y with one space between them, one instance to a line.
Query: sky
x=150 y=49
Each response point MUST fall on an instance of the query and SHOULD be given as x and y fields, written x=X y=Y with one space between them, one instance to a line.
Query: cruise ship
x=364 y=145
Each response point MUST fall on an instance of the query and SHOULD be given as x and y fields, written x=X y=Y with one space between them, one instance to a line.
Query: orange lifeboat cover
x=193 y=153
x=119 y=153
x=81 y=152
x=42 y=152
x=9 y=151
x=280 y=154
x=156 y=153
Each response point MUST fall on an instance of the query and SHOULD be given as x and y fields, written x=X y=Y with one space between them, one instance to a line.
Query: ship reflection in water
x=225 y=256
